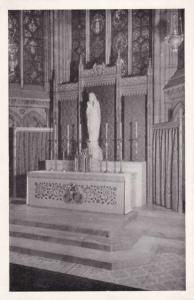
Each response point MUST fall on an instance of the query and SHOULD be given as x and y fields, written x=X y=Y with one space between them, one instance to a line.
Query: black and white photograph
x=96 y=149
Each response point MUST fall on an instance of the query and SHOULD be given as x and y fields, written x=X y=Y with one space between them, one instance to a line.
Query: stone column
x=67 y=44
x=149 y=132
x=21 y=51
x=169 y=63
x=108 y=36
x=118 y=106
x=130 y=62
x=87 y=36
x=157 y=66
x=165 y=62
x=46 y=50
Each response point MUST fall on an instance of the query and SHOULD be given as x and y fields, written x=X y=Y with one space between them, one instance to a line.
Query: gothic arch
x=175 y=111
x=14 y=119
x=34 y=119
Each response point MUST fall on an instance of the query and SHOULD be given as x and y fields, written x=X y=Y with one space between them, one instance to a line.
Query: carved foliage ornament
x=71 y=193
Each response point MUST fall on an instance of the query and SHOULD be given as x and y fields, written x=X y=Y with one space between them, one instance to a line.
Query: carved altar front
x=97 y=192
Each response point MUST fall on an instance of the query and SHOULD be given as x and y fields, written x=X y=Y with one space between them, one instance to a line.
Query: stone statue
x=93 y=123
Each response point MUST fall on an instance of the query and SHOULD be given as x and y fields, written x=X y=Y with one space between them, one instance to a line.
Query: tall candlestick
x=121 y=148
x=51 y=152
x=68 y=140
x=68 y=132
x=80 y=137
x=106 y=131
x=136 y=125
x=106 y=152
x=120 y=131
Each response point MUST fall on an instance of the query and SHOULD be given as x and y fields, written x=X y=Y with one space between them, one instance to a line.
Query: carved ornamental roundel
x=97 y=23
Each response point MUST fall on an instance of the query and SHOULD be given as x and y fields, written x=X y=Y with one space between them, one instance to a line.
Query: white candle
x=106 y=154
x=136 y=129
x=106 y=131
x=80 y=137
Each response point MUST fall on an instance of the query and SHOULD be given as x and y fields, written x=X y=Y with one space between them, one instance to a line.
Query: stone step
x=120 y=242
x=57 y=216
x=63 y=237
x=72 y=254
x=78 y=228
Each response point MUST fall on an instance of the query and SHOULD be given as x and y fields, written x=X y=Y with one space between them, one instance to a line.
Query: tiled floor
x=153 y=244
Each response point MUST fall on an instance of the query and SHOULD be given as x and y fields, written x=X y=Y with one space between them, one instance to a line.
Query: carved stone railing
x=29 y=102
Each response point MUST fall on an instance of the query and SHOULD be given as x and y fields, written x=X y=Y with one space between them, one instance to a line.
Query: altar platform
x=143 y=249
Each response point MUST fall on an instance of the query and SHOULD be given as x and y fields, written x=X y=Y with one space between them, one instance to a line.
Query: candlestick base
x=106 y=170
x=52 y=167
x=121 y=167
x=63 y=166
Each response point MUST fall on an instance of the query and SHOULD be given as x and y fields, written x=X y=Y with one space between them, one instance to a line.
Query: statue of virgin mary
x=93 y=114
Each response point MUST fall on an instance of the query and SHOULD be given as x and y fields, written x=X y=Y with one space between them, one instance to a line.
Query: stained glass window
x=33 y=46
x=141 y=41
x=97 y=36
x=119 y=30
x=78 y=41
x=14 y=46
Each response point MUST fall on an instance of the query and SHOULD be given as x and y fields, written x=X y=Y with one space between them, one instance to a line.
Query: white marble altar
x=134 y=177
x=97 y=192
